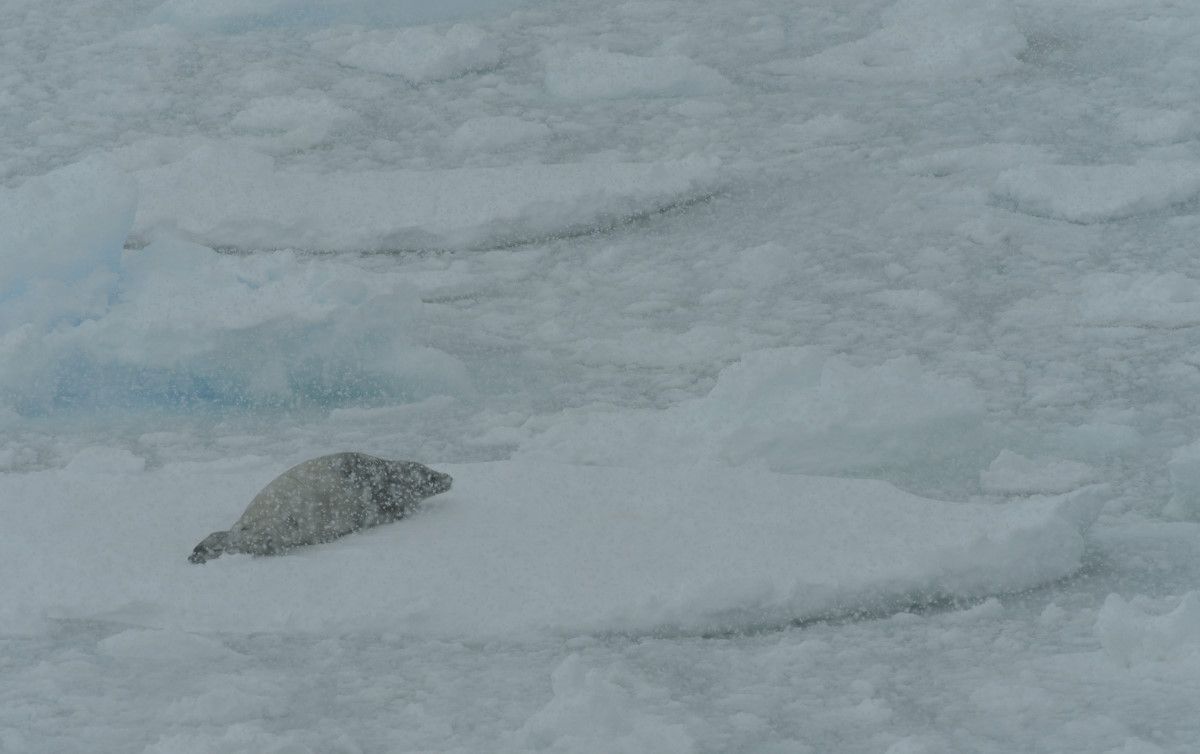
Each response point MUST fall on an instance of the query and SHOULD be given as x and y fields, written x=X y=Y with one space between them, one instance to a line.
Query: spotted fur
x=323 y=499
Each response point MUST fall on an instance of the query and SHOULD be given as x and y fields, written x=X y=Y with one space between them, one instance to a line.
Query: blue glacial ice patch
x=61 y=237
x=86 y=325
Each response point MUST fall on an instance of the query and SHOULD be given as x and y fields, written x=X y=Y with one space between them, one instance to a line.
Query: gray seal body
x=323 y=499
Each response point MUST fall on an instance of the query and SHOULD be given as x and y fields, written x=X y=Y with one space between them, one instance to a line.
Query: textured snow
x=417 y=54
x=1098 y=193
x=919 y=40
x=1011 y=473
x=598 y=75
x=235 y=16
x=60 y=243
x=268 y=207
x=659 y=282
x=1184 y=472
x=185 y=327
x=790 y=410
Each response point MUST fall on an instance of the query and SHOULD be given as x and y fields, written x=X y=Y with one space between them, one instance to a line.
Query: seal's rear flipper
x=212 y=547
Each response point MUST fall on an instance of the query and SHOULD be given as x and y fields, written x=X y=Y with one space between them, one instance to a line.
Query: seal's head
x=420 y=478
x=212 y=547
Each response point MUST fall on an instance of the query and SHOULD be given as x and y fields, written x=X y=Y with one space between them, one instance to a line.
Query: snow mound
x=788 y=410
x=1131 y=636
x=981 y=158
x=584 y=74
x=236 y=16
x=238 y=738
x=518 y=548
x=1184 y=470
x=599 y=711
x=1097 y=193
x=1166 y=300
x=1014 y=474
x=190 y=328
x=293 y=122
x=1157 y=126
x=495 y=132
x=263 y=207
x=923 y=40
x=417 y=54
x=163 y=646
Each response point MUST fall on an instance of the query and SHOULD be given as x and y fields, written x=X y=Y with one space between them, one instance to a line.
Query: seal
x=323 y=499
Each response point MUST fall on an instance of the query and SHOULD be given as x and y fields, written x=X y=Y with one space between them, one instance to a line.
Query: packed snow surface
x=401 y=210
x=519 y=548
x=815 y=377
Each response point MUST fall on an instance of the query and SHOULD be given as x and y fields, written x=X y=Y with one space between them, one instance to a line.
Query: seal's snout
x=442 y=482
x=212 y=547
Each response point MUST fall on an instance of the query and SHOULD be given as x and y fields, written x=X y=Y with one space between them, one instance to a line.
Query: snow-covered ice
x=590 y=75
x=922 y=40
x=418 y=54
x=520 y=548
x=1015 y=474
x=1098 y=193
x=402 y=210
x=815 y=377
x=793 y=410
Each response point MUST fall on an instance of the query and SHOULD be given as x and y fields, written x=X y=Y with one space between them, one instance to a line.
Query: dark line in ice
x=499 y=243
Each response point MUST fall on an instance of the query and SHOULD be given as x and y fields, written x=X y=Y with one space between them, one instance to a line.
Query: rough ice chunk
x=418 y=54
x=61 y=237
x=1148 y=300
x=238 y=738
x=1015 y=474
x=235 y=16
x=925 y=39
x=496 y=132
x=584 y=74
x=599 y=711
x=262 y=207
x=1132 y=636
x=164 y=646
x=790 y=410
x=190 y=328
x=1098 y=193
x=1184 y=469
x=293 y=122
x=1155 y=126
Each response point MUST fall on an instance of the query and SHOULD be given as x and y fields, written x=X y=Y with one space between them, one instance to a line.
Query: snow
x=1131 y=635
x=418 y=54
x=583 y=74
x=1184 y=472
x=814 y=376
x=517 y=549
x=61 y=243
x=234 y=16
x=595 y=711
x=268 y=207
x=193 y=328
x=1098 y=193
x=1149 y=300
x=792 y=410
x=921 y=40
x=1011 y=474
